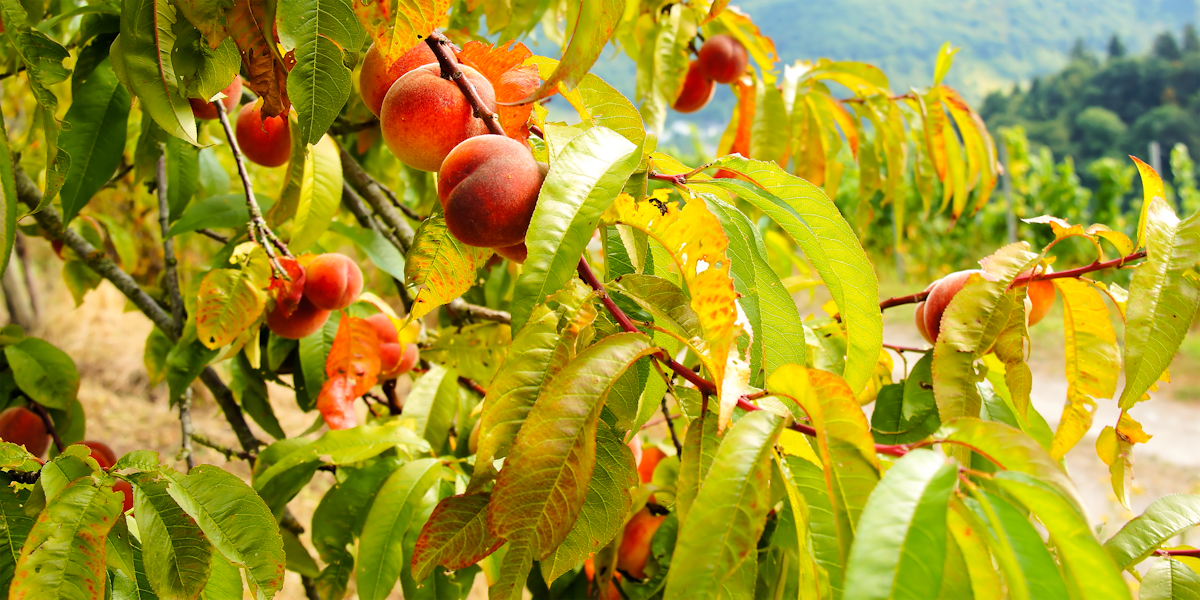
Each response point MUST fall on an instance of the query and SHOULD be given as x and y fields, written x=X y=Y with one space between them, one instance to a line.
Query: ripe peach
x=635 y=544
x=651 y=455
x=102 y=453
x=23 y=427
x=123 y=486
x=408 y=360
x=332 y=281
x=919 y=316
x=377 y=77
x=390 y=352
x=303 y=322
x=267 y=142
x=424 y=116
x=517 y=253
x=488 y=187
x=697 y=90
x=207 y=112
x=1041 y=295
x=939 y=297
x=723 y=58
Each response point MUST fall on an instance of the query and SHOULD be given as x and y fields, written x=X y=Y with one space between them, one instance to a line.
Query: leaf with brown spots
x=250 y=27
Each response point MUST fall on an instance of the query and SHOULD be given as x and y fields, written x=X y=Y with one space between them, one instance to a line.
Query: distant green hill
x=1002 y=41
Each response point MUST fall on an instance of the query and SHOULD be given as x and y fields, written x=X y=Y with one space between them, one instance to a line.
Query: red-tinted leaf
x=355 y=353
x=503 y=66
x=455 y=536
x=250 y=27
x=336 y=402
x=737 y=135
x=288 y=293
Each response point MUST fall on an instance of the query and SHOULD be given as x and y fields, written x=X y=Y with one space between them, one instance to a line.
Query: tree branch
x=372 y=191
x=671 y=427
x=208 y=233
x=443 y=49
x=171 y=277
x=260 y=233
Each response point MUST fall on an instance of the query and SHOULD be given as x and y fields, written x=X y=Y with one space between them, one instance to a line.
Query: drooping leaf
x=455 y=536
x=224 y=582
x=1161 y=521
x=8 y=200
x=249 y=23
x=728 y=516
x=1162 y=300
x=346 y=447
x=318 y=32
x=812 y=220
x=181 y=554
x=235 y=520
x=1028 y=567
x=594 y=24
x=542 y=488
x=224 y=211
x=183 y=175
x=63 y=556
x=900 y=548
x=582 y=182
x=662 y=66
x=699 y=450
x=314 y=352
x=432 y=402
x=1092 y=360
x=320 y=194
x=604 y=509
x=442 y=264
x=98 y=114
x=1152 y=187
x=379 y=551
x=230 y=301
x=42 y=58
x=351 y=368
x=971 y=537
x=142 y=59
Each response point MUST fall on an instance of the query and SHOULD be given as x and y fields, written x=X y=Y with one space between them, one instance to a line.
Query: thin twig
x=1192 y=553
x=171 y=277
x=41 y=411
x=444 y=51
x=471 y=385
x=35 y=296
x=206 y=232
x=393 y=401
x=119 y=175
x=229 y=453
x=310 y=588
x=478 y=313
x=671 y=427
x=186 y=429
x=906 y=348
x=908 y=96
x=260 y=233
x=659 y=421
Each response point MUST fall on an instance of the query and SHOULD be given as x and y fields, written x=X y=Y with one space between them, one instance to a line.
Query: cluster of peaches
x=23 y=427
x=721 y=59
x=322 y=284
x=928 y=315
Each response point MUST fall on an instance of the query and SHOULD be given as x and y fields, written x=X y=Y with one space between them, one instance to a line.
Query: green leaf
x=1027 y=566
x=281 y=489
x=661 y=299
x=8 y=200
x=900 y=548
x=1162 y=520
x=1162 y=301
x=14 y=527
x=813 y=221
x=129 y=579
x=1169 y=579
x=186 y=361
x=44 y=373
x=250 y=390
x=298 y=558
x=142 y=59
x=180 y=553
x=183 y=175
x=319 y=85
x=213 y=180
x=441 y=263
x=320 y=191
x=235 y=520
x=339 y=518
x=729 y=514
x=455 y=536
x=314 y=350
x=380 y=557
x=594 y=23
x=662 y=65
x=699 y=450
x=203 y=70
x=771 y=130
x=599 y=103
x=383 y=254
x=225 y=581
x=604 y=509
x=971 y=537
x=905 y=413
x=582 y=182
x=542 y=488
x=63 y=557
x=98 y=114
x=219 y=212
x=43 y=59
x=767 y=303
x=346 y=446
x=431 y=403
x=1091 y=569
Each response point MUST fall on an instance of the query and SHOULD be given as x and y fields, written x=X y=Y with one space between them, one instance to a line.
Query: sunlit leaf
x=380 y=557
x=180 y=554
x=318 y=32
x=442 y=264
x=1092 y=360
x=1169 y=579
x=231 y=300
x=1161 y=521
x=593 y=26
x=320 y=194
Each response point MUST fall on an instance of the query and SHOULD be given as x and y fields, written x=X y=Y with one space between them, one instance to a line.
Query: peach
x=589 y=569
x=206 y=111
x=1041 y=294
x=488 y=187
x=390 y=351
x=23 y=427
x=424 y=116
x=377 y=77
x=517 y=253
x=939 y=297
x=723 y=58
x=651 y=455
x=919 y=316
x=123 y=486
x=267 y=142
x=635 y=543
x=102 y=453
x=303 y=322
x=408 y=360
x=332 y=281
x=696 y=92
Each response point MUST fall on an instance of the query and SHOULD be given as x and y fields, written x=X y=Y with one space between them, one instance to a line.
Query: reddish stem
x=1194 y=553
x=674 y=179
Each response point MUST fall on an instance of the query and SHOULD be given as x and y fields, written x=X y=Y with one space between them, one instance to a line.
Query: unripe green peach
x=377 y=77
x=488 y=187
x=424 y=116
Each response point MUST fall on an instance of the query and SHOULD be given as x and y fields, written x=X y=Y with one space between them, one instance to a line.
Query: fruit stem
x=443 y=49
x=259 y=232
x=41 y=411
x=1024 y=279
x=1193 y=553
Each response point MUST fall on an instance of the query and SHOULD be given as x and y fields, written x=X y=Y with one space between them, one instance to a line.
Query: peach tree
x=370 y=207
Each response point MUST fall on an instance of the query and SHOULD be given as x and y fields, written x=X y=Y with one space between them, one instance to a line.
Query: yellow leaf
x=1152 y=187
x=397 y=26
x=1132 y=430
x=697 y=244
x=1092 y=360
x=443 y=265
x=831 y=407
x=230 y=301
x=1117 y=453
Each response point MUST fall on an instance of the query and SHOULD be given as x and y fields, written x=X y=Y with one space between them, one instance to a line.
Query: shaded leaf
x=379 y=551
x=455 y=536
x=98 y=114
x=141 y=58
x=180 y=553
x=43 y=372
